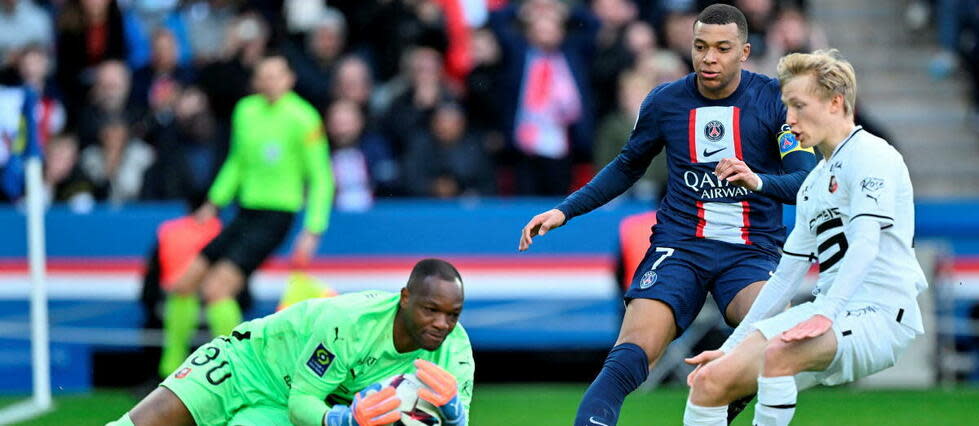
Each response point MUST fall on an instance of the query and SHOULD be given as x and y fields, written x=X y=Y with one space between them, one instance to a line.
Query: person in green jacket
x=322 y=362
x=278 y=157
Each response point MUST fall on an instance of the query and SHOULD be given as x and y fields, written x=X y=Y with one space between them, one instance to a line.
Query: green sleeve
x=226 y=183
x=316 y=159
x=306 y=410
x=461 y=365
x=320 y=368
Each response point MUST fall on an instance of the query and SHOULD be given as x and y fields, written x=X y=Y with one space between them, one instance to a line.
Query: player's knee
x=215 y=290
x=712 y=385
x=651 y=350
x=778 y=359
x=184 y=286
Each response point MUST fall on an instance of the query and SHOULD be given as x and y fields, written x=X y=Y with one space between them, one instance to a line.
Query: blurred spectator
x=958 y=35
x=447 y=160
x=405 y=23
x=352 y=82
x=34 y=69
x=229 y=79
x=411 y=109
x=64 y=181
x=790 y=32
x=158 y=122
x=22 y=23
x=483 y=97
x=187 y=157
x=316 y=59
x=301 y=16
x=614 y=131
x=461 y=18
x=89 y=33
x=108 y=98
x=207 y=24
x=116 y=165
x=362 y=161
x=611 y=56
x=142 y=18
x=549 y=119
x=640 y=38
x=760 y=15
x=660 y=67
x=678 y=35
x=162 y=73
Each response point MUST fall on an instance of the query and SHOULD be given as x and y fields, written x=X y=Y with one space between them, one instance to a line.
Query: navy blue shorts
x=681 y=274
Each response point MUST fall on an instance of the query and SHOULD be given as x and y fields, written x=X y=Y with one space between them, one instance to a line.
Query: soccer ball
x=414 y=410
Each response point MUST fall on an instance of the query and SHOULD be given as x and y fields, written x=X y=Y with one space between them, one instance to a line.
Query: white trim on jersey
x=726 y=222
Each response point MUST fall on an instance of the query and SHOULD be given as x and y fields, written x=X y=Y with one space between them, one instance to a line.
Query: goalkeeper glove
x=372 y=406
x=442 y=391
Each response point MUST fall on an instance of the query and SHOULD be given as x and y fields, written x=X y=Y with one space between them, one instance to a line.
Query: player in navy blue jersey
x=731 y=166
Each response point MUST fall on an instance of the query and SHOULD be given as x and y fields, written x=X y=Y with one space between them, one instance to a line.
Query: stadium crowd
x=431 y=98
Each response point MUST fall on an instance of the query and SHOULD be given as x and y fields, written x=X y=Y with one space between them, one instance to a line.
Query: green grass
x=544 y=405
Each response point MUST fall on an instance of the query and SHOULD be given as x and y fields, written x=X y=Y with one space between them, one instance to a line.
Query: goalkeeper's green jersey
x=321 y=352
x=275 y=147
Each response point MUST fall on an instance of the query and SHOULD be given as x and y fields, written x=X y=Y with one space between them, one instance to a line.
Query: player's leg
x=647 y=328
x=738 y=308
x=665 y=296
x=743 y=273
x=160 y=408
x=181 y=310
x=777 y=389
x=182 y=307
x=783 y=361
x=221 y=286
x=258 y=234
x=722 y=381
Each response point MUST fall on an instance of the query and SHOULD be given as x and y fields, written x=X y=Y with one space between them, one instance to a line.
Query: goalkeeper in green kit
x=320 y=362
x=277 y=160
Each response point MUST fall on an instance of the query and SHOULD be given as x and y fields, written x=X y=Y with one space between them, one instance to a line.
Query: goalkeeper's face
x=432 y=311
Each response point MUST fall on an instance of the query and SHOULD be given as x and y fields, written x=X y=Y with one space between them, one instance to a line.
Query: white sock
x=776 y=401
x=696 y=415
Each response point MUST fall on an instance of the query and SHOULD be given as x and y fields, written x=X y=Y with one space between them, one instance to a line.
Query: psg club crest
x=832 y=184
x=714 y=130
x=648 y=279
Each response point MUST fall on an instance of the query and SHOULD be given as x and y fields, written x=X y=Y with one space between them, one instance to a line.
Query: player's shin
x=626 y=367
x=223 y=316
x=776 y=401
x=179 y=324
x=695 y=415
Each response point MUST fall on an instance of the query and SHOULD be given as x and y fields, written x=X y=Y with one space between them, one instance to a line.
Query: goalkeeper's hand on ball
x=442 y=391
x=372 y=406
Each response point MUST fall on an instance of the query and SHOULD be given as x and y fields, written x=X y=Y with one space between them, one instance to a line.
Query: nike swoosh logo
x=596 y=422
x=709 y=153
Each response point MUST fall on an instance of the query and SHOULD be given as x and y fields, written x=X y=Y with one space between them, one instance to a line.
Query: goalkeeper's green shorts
x=208 y=386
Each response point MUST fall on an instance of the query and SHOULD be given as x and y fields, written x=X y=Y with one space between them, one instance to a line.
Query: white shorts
x=869 y=339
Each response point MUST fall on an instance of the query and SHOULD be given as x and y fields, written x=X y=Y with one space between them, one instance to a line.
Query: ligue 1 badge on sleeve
x=648 y=279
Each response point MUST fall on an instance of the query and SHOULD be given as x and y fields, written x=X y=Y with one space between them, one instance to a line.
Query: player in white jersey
x=855 y=216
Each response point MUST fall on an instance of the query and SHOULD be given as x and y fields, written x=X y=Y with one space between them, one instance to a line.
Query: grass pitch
x=545 y=405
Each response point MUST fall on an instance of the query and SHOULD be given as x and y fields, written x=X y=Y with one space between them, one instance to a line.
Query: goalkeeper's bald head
x=418 y=281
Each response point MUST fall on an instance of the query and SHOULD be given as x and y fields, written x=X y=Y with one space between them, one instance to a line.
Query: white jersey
x=864 y=177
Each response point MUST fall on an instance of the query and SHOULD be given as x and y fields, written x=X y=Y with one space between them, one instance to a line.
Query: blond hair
x=833 y=74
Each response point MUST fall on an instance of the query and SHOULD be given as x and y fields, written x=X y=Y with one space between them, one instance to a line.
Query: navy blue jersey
x=697 y=132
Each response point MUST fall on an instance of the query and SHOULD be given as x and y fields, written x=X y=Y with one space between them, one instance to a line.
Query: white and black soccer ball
x=414 y=410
